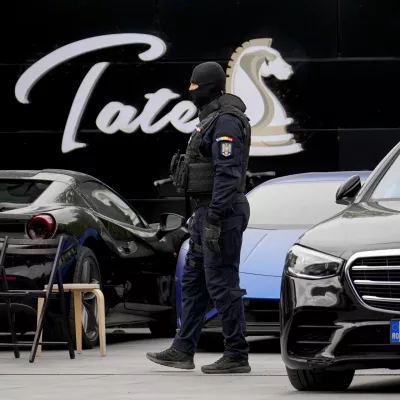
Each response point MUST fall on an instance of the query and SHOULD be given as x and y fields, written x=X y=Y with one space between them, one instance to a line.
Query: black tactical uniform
x=214 y=174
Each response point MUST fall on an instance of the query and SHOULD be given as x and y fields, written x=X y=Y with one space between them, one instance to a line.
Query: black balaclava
x=211 y=79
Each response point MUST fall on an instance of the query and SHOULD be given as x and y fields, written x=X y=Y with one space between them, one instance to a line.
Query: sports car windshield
x=300 y=204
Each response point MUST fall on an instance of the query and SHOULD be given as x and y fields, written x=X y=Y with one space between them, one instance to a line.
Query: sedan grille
x=376 y=279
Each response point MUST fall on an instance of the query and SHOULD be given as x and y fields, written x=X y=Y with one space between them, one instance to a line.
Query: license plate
x=395 y=332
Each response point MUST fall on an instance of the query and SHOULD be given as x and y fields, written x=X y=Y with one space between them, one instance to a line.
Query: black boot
x=227 y=365
x=172 y=358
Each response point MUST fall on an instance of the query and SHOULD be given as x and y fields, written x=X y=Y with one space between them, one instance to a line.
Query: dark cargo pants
x=215 y=275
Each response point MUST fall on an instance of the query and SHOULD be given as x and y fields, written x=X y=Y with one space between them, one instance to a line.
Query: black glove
x=210 y=237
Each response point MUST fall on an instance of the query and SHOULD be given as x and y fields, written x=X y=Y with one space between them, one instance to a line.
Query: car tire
x=165 y=326
x=87 y=270
x=307 y=380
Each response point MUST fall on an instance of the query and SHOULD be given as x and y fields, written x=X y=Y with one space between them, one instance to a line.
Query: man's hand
x=210 y=237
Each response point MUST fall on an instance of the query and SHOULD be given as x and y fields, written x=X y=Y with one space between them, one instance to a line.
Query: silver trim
x=376 y=283
x=368 y=268
x=366 y=254
x=381 y=299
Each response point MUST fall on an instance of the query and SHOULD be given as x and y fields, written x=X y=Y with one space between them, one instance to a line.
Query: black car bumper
x=324 y=325
x=28 y=273
x=262 y=318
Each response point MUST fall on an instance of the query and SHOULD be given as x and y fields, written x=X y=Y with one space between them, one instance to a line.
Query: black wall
x=342 y=95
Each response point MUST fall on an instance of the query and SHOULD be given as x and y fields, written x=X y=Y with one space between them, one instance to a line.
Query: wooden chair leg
x=39 y=312
x=78 y=319
x=39 y=330
x=102 y=320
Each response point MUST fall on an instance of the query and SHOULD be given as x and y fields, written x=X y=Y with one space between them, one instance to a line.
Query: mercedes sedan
x=340 y=294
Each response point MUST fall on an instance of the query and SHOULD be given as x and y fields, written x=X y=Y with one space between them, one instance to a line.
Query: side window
x=109 y=204
x=70 y=196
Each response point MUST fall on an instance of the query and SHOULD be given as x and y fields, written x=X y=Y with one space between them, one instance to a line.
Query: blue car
x=282 y=209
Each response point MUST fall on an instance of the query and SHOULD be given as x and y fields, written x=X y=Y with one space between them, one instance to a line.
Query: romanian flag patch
x=225 y=139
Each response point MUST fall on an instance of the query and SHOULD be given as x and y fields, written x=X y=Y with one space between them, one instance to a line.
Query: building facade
x=102 y=86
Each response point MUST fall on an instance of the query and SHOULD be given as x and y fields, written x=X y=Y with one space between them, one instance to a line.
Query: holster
x=178 y=169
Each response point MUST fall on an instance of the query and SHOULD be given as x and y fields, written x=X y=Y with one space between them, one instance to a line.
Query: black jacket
x=228 y=148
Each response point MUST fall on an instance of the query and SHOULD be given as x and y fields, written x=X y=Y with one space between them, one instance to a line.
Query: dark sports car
x=107 y=242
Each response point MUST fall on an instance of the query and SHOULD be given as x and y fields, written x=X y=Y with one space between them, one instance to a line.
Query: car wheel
x=165 y=326
x=307 y=380
x=87 y=270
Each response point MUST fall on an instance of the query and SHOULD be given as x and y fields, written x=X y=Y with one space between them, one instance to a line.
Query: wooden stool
x=77 y=289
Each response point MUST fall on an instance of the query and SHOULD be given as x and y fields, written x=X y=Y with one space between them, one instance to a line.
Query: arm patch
x=225 y=149
x=225 y=138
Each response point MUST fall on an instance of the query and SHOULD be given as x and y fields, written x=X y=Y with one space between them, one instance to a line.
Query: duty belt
x=199 y=201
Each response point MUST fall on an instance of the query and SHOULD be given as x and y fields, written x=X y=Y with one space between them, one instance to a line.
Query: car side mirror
x=170 y=222
x=348 y=190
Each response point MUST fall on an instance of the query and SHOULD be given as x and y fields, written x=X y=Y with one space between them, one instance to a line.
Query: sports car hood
x=264 y=250
x=360 y=227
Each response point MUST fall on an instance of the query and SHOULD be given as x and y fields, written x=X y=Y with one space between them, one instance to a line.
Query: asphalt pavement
x=125 y=373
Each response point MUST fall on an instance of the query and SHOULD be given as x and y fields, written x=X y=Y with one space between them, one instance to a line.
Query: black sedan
x=108 y=243
x=340 y=304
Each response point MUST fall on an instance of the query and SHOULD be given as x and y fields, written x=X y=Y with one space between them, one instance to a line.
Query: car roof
x=339 y=176
x=61 y=175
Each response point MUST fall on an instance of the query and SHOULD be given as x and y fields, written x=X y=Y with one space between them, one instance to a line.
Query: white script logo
x=254 y=60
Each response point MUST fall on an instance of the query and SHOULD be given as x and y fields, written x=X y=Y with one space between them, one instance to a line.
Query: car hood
x=264 y=250
x=360 y=227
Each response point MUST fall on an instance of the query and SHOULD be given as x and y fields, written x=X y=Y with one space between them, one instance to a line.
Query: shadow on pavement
x=210 y=342
x=214 y=343
x=113 y=337
x=391 y=385
x=128 y=335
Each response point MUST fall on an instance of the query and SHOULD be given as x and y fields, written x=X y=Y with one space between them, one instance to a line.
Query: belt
x=200 y=201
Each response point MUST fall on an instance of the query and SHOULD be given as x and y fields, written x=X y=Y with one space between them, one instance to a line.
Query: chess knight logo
x=253 y=61
x=249 y=64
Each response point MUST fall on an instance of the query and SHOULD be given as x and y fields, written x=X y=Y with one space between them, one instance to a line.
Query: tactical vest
x=192 y=173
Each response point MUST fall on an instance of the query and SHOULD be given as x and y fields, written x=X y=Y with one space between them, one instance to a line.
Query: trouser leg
x=195 y=297
x=223 y=283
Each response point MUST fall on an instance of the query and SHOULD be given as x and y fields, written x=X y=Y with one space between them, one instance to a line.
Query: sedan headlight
x=311 y=264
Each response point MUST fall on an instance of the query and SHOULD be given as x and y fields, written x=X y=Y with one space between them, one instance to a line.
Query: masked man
x=220 y=144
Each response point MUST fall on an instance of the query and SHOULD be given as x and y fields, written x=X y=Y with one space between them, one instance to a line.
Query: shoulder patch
x=226 y=149
x=224 y=138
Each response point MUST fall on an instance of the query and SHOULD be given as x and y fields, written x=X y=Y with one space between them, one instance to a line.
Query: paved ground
x=125 y=373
